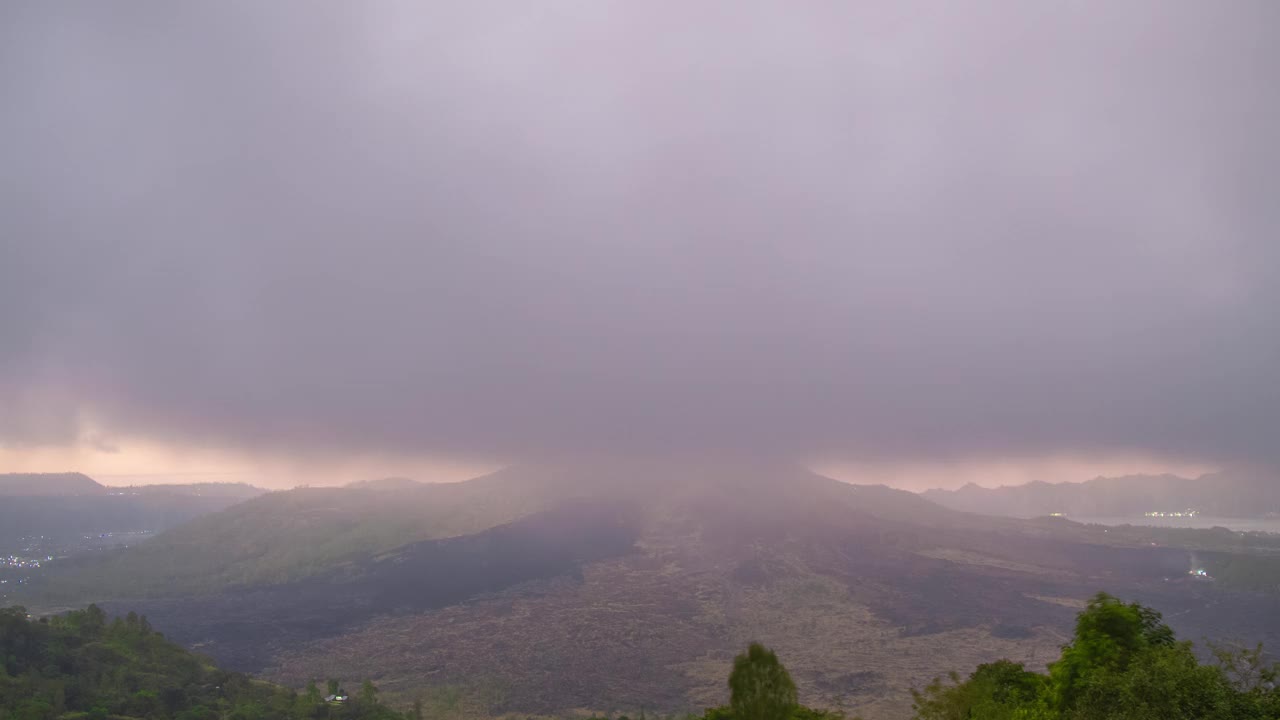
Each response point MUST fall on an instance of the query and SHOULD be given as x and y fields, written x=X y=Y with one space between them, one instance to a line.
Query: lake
x=1200 y=521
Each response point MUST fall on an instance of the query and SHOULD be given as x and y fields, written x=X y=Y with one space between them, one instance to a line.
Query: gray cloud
x=897 y=230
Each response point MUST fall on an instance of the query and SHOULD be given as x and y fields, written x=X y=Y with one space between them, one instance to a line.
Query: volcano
x=554 y=588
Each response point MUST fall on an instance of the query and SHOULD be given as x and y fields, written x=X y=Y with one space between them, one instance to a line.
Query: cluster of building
x=1172 y=513
x=17 y=561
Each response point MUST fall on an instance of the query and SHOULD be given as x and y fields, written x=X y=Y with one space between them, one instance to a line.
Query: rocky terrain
x=631 y=588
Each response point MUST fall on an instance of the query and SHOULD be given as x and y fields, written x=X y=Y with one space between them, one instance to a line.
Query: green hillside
x=1121 y=663
x=287 y=536
x=82 y=666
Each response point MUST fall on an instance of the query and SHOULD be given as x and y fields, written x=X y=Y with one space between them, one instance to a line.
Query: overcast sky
x=880 y=232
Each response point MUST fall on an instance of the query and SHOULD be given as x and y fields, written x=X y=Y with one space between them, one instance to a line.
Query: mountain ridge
x=49 y=485
x=637 y=582
x=1237 y=494
x=64 y=509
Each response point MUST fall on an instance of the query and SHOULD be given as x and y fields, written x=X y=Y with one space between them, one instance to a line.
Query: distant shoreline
x=1270 y=525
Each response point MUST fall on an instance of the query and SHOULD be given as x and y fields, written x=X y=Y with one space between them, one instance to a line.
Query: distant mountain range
x=391 y=483
x=74 y=483
x=66 y=506
x=48 y=485
x=1236 y=495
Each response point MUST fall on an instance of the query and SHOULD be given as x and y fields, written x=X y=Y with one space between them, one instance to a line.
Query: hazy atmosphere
x=413 y=238
x=605 y=359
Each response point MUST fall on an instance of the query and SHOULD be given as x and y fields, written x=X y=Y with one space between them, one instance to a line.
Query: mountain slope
x=69 y=518
x=238 y=491
x=552 y=589
x=48 y=485
x=865 y=591
x=287 y=536
x=291 y=535
x=81 y=665
x=62 y=510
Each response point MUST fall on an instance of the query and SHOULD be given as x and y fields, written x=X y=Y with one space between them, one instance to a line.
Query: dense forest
x=83 y=666
x=1123 y=663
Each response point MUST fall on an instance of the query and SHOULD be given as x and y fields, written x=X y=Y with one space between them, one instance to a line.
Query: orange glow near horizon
x=144 y=462
x=995 y=472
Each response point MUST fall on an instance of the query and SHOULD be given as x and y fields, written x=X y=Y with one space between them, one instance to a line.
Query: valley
x=550 y=590
x=69 y=517
x=640 y=360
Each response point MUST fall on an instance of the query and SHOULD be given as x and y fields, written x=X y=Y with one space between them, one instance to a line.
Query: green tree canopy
x=79 y=666
x=760 y=687
x=1123 y=663
x=1109 y=635
x=1001 y=690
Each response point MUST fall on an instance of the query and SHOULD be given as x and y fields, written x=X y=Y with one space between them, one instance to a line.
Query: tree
x=1247 y=669
x=334 y=687
x=1109 y=635
x=760 y=687
x=369 y=693
x=93 y=619
x=76 y=666
x=1123 y=663
x=1159 y=682
x=995 y=691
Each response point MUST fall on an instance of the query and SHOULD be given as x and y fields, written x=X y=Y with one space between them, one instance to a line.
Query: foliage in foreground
x=760 y=688
x=80 y=666
x=1122 y=664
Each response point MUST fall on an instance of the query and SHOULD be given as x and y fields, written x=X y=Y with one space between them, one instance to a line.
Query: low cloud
x=889 y=232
